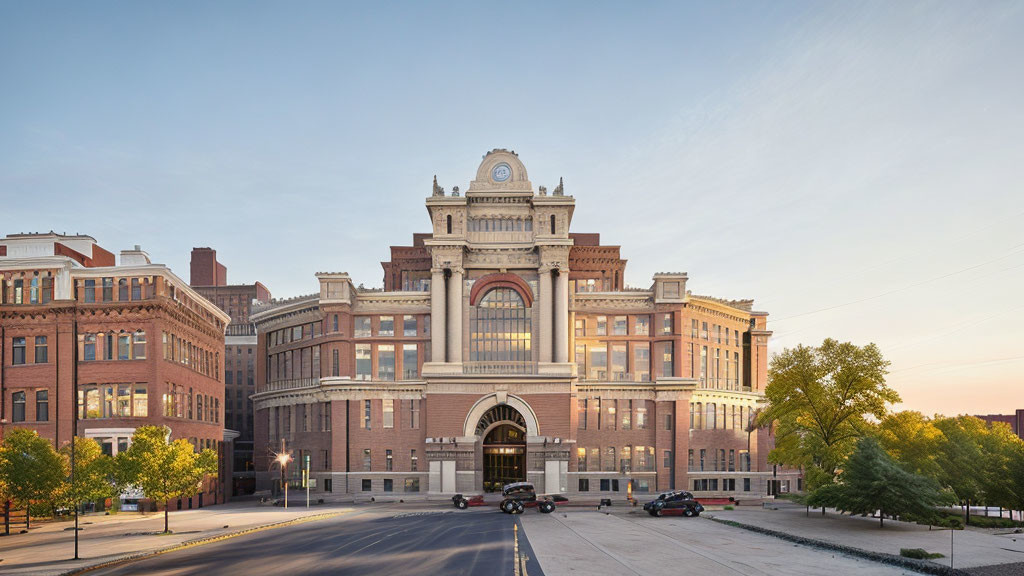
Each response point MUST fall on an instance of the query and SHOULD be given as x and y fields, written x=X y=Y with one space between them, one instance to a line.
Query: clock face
x=501 y=172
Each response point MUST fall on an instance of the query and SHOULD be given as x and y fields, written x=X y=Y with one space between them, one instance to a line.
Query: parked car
x=521 y=495
x=461 y=502
x=679 y=503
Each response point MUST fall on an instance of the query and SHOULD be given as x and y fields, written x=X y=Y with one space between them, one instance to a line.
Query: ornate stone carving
x=438 y=191
x=542 y=190
x=455 y=191
x=560 y=189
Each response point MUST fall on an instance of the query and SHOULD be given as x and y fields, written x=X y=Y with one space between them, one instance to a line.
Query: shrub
x=919 y=553
x=728 y=508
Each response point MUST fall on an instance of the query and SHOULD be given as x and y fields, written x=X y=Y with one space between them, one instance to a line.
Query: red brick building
x=209 y=278
x=148 y=347
x=503 y=347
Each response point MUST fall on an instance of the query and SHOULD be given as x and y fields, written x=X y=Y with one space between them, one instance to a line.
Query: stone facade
x=147 y=348
x=505 y=347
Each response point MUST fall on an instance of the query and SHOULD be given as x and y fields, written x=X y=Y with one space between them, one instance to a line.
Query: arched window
x=449 y=221
x=552 y=224
x=500 y=331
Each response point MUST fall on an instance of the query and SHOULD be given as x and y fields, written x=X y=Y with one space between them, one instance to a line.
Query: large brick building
x=503 y=347
x=210 y=279
x=148 y=347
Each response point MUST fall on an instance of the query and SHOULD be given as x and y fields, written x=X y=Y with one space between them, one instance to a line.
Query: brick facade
x=148 y=348
x=511 y=349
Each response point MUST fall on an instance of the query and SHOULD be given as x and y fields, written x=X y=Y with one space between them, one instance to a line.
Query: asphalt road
x=389 y=540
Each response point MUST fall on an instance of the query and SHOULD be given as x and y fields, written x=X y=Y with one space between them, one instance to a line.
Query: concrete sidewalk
x=970 y=548
x=47 y=550
x=622 y=543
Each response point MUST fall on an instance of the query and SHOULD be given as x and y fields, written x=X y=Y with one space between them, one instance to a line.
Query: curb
x=922 y=566
x=198 y=542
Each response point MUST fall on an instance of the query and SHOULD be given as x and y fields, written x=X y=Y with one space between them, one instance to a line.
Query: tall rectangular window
x=108 y=289
x=703 y=366
x=667 y=359
x=335 y=363
x=703 y=330
x=17 y=351
x=580 y=327
x=18 y=407
x=40 y=350
x=627 y=415
x=89 y=347
x=19 y=291
x=90 y=291
x=334 y=324
x=42 y=406
x=389 y=461
x=139 y=345
x=618 y=368
x=389 y=413
x=362 y=327
x=581 y=413
x=641 y=416
x=413 y=461
x=386 y=362
x=140 y=401
x=666 y=323
x=408 y=325
x=123 y=346
x=581 y=459
x=136 y=289
x=598 y=363
x=414 y=416
x=410 y=362
x=608 y=463
x=366 y=414
x=581 y=360
x=667 y=460
x=387 y=326
x=364 y=366
x=602 y=325
x=694 y=328
x=642 y=362
x=34 y=291
x=367 y=460
x=122 y=290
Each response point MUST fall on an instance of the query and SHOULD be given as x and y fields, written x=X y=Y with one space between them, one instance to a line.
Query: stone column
x=455 y=316
x=562 y=317
x=544 y=333
x=437 y=316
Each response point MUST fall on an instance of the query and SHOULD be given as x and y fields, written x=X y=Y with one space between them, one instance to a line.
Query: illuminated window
x=500 y=330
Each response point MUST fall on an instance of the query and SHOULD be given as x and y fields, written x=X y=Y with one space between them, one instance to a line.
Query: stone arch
x=507 y=280
x=496 y=399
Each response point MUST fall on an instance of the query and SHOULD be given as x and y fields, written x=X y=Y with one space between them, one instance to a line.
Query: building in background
x=209 y=278
x=148 y=347
x=505 y=348
x=1015 y=421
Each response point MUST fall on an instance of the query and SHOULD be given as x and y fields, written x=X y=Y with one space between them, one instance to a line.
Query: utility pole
x=74 y=401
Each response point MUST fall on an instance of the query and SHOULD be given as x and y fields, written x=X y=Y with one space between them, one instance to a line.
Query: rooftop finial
x=560 y=189
x=438 y=191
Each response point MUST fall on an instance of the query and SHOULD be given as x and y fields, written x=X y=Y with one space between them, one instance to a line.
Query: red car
x=461 y=502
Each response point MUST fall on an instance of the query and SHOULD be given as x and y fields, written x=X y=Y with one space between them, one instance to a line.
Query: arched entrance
x=503 y=431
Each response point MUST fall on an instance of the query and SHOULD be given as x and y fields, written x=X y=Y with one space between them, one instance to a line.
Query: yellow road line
x=202 y=541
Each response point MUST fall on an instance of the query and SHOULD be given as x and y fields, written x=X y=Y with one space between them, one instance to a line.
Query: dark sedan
x=679 y=503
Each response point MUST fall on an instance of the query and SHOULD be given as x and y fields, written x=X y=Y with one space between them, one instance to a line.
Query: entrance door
x=504 y=457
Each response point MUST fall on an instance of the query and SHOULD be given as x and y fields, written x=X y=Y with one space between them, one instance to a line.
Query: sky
x=855 y=167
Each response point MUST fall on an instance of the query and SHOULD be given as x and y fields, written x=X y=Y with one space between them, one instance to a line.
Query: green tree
x=871 y=480
x=820 y=399
x=94 y=473
x=913 y=440
x=30 y=469
x=164 y=470
x=998 y=446
x=960 y=458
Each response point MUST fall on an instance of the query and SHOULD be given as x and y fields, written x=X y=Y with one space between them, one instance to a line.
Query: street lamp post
x=283 y=458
